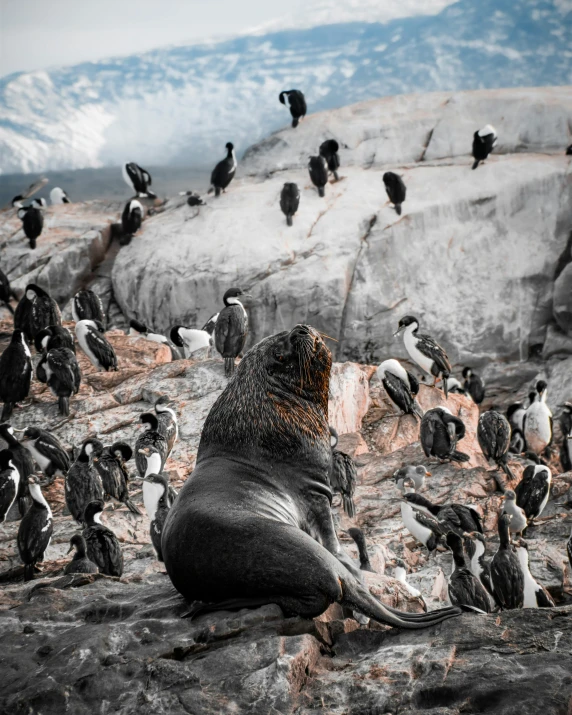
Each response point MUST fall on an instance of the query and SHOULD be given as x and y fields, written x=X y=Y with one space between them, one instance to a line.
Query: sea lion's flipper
x=234 y=604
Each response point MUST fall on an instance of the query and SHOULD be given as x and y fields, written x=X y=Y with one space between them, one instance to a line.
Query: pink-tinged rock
x=349 y=397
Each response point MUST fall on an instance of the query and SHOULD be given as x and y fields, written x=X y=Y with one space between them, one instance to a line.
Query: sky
x=37 y=34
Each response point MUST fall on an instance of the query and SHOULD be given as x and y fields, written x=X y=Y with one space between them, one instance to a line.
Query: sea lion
x=253 y=524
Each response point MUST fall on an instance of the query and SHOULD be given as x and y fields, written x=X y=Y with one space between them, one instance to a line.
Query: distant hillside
x=182 y=104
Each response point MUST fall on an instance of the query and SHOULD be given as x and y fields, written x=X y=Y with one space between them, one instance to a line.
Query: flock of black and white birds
x=95 y=473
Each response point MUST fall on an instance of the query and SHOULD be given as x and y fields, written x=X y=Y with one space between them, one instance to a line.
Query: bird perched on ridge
x=537 y=422
x=565 y=420
x=157 y=504
x=494 y=435
x=24 y=463
x=151 y=448
x=83 y=483
x=32 y=218
x=395 y=188
x=37 y=310
x=190 y=339
x=458 y=518
x=297 y=103
x=59 y=370
x=102 y=545
x=474 y=385
x=343 y=475
x=329 y=150
x=484 y=141
x=224 y=171
x=533 y=490
x=168 y=425
x=518 y=520
x=15 y=373
x=400 y=574
x=30 y=191
x=137 y=328
x=424 y=351
x=507 y=581
x=401 y=387
x=109 y=463
x=289 y=201
x=415 y=474
x=465 y=589
x=231 y=328
x=59 y=196
x=97 y=348
x=423 y=526
x=6 y=292
x=9 y=483
x=515 y=415
x=48 y=452
x=138 y=179
x=52 y=338
x=87 y=305
x=535 y=595
x=318 y=168
x=440 y=431
x=35 y=530
x=79 y=563
x=131 y=220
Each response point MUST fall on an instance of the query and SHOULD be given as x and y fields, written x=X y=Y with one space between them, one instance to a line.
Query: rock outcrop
x=474 y=254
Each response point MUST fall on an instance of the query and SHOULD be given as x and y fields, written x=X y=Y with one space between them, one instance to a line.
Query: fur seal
x=253 y=525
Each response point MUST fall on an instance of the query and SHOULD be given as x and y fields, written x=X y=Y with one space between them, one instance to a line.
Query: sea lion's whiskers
x=328 y=337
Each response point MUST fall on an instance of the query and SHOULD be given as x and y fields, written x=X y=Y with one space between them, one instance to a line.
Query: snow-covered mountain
x=182 y=104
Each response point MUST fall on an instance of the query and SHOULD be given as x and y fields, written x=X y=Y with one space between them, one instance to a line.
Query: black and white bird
x=80 y=562
x=168 y=425
x=416 y=474
x=37 y=310
x=102 y=546
x=6 y=292
x=419 y=523
x=484 y=141
x=190 y=339
x=83 y=483
x=138 y=179
x=157 y=504
x=507 y=581
x=454 y=386
x=91 y=339
x=38 y=203
x=465 y=589
x=109 y=462
x=424 y=351
x=329 y=150
x=440 y=431
x=359 y=539
x=48 y=452
x=224 y=171
x=24 y=463
x=30 y=191
x=15 y=373
x=136 y=328
x=318 y=168
x=569 y=549
x=537 y=423
x=59 y=370
x=569 y=150
x=395 y=188
x=87 y=305
x=59 y=196
x=32 y=218
x=401 y=387
x=9 y=483
x=231 y=328
x=400 y=574
x=210 y=325
x=52 y=338
x=459 y=518
x=193 y=199
x=518 y=520
x=151 y=448
x=35 y=531
x=289 y=200
x=533 y=490
x=515 y=415
x=565 y=420
x=494 y=435
x=476 y=551
x=343 y=475
x=535 y=595
x=474 y=385
x=131 y=220
x=297 y=103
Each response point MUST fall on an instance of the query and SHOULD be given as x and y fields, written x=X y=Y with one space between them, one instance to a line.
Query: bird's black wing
x=101 y=348
x=398 y=392
x=413 y=383
x=15 y=381
x=343 y=479
x=433 y=350
x=52 y=449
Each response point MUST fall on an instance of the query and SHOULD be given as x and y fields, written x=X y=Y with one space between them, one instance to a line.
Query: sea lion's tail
x=228 y=366
x=356 y=597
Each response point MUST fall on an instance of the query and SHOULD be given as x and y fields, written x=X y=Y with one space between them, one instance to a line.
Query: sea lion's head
x=277 y=401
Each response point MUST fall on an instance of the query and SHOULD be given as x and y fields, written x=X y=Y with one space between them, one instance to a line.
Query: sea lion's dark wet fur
x=253 y=525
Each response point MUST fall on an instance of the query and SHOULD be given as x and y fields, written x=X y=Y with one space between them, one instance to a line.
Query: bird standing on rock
x=98 y=349
x=537 y=422
x=401 y=387
x=415 y=474
x=48 y=452
x=518 y=520
x=494 y=435
x=109 y=462
x=35 y=530
x=465 y=589
x=297 y=103
x=79 y=563
x=190 y=339
x=22 y=460
x=515 y=414
x=168 y=425
x=329 y=150
x=15 y=373
x=484 y=141
x=424 y=351
x=343 y=475
x=37 y=310
x=507 y=581
x=151 y=448
x=59 y=370
x=59 y=196
x=231 y=328
x=395 y=188
x=318 y=168
x=138 y=179
x=83 y=483
x=458 y=518
x=289 y=201
x=535 y=595
x=131 y=220
x=157 y=505
x=224 y=171
x=102 y=546
x=32 y=218
x=6 y=292
x=533 y=491
x=87 y=305
x=440 y=431
x=419 y=523
x=474 y=385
